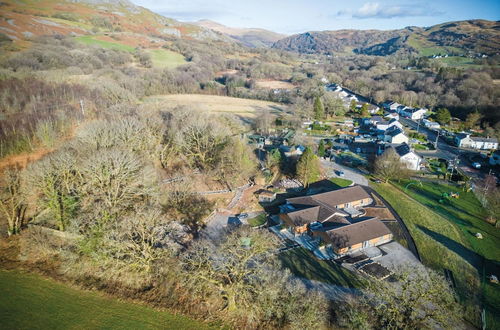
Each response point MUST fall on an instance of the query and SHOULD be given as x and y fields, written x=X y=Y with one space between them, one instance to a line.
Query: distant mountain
x=247 y=36
x=462 y=37
x=132 y=24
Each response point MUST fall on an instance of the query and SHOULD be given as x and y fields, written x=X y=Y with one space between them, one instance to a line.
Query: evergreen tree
x=308 y=167
x=443 y=116
x=364 y=110
x=321 y=149
x=319 y=109
x=352 y=107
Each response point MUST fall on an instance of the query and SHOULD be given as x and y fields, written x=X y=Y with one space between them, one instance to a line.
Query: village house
x=353 y=237
x=408 y=157
x=335 y=220
x=431 y=124
x=266 y=196
x=392 y=106
x=384 y=125
x=298 y=212
x=413 y=113
x=465 y=140
x=395 y=135
x=392 y=115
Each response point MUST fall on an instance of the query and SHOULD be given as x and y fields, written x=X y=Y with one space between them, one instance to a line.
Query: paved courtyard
x=354 y=175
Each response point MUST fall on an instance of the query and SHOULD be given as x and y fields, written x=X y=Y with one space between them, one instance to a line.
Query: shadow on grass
x=468 y=255
x=304 y=264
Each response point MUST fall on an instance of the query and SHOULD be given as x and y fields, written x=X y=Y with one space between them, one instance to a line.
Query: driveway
x=354 y=175
x=221 y=222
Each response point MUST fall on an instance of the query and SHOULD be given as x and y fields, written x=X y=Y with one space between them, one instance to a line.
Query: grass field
x=90 y=40
x=303 y=263
x=272 y=84
x=244 y=109
x=29 y=301
x=163 y=58
x=443 y=240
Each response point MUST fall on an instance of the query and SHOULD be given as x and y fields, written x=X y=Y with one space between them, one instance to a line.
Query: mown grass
x=258 y=220
x=341 y=183
x=29 y=301
x=304 y=264
x=443 y=241
x=163 y=58
x=90 y=40
x=466 y=212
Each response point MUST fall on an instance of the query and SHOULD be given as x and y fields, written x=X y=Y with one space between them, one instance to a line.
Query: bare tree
x=418 y=299
x=116 y=178
x=55 y=183
x=240 y=280
x=12 y=200
x=388 y=166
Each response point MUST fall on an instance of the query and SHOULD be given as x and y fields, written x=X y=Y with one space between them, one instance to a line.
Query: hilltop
x=247 y=36
x=458 y=38
x=122 y=20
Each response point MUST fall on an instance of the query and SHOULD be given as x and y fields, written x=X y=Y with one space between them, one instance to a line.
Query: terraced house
x=335 y=220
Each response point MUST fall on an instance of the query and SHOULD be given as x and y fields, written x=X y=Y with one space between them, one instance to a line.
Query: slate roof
x=402 y=149
x=349 y=235
x=332 y=199
x=394 y=131
x=483 y=139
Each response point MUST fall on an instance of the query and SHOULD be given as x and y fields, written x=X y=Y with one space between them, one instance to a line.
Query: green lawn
x=341 y=183
x=303 y=263
x=29 y=301
x=466 y=212
x=258 y=220
x=90 y=40
x=163 y=58
x=443 y=235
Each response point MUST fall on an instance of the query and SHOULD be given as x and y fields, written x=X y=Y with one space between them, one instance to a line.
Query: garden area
x=350 y=159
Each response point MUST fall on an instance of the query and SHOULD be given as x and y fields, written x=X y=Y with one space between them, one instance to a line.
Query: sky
x=296 y=16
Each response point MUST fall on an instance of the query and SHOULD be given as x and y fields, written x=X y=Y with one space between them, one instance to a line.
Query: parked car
x=476 y=165
x=243 y=216
x=340 y=173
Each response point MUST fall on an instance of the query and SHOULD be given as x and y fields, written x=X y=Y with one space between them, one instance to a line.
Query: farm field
x=272 y=84
x=244 y=109
x=91 y=40
x=29 y=301
x=444 y=245
x=163 y=58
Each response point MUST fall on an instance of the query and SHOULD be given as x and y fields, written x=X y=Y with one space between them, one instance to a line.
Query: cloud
x=375 y=10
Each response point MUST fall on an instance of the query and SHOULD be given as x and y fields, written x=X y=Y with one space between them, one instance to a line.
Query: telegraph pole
x=81 y=108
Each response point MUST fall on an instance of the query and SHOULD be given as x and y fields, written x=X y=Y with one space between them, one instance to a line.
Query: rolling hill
x=459 y=38
x=121 y=20
x=247 y=36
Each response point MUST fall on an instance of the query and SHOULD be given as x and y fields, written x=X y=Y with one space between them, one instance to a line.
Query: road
x=445 y=151
x=354 y=175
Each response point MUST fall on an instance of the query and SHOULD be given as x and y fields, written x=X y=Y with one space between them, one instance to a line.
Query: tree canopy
x=308 y=167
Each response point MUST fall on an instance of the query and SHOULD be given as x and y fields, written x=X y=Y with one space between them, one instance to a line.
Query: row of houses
x=334 y=221
x=348 y=96
x=389 y=133
x=466 y=140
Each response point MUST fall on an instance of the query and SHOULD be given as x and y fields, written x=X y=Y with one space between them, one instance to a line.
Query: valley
x=167 y=168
